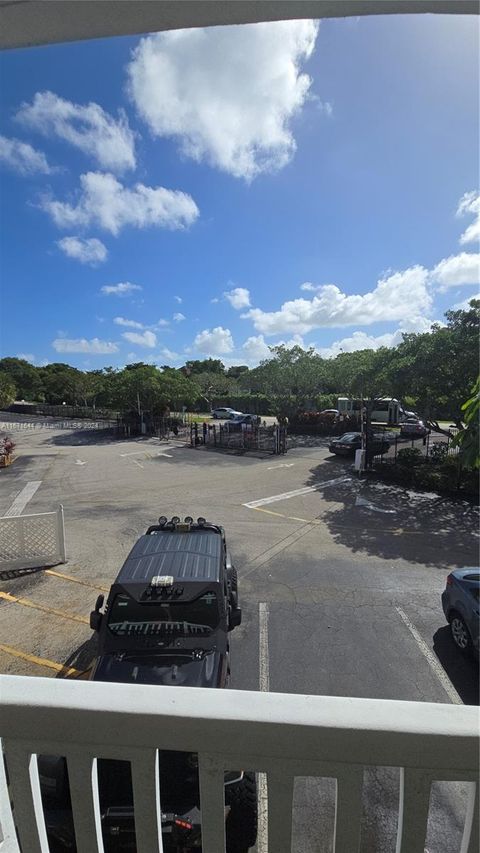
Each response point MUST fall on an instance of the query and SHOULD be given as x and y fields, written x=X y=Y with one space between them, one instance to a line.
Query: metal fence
x=160 y=427
x=76 y=412
x=30 y=541
x=432 y=448
x=271 y=439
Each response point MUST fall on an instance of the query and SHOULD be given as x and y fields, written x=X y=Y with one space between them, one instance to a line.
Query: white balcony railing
x=278 y=734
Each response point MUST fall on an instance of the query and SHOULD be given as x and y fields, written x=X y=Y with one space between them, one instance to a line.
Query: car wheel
x=460 y=633
x=241 y=826
x=233 y=583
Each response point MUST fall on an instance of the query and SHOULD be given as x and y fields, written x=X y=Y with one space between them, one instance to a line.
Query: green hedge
x=445 y=477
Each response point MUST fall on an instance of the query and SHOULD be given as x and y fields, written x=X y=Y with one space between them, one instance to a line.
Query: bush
x=426 y=479
x=438 y=452
x=409 y=457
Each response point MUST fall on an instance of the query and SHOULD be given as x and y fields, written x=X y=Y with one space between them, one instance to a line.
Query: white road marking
x=264 y=655
x=145 y=453
x=137 y=463
x=432 y=660
x=79 y=462
x=264 y=684
x=285 y=496
x=23 y=498
x=282 y=465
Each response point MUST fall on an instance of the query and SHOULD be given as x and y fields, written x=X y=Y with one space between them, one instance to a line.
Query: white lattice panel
x=31 y=540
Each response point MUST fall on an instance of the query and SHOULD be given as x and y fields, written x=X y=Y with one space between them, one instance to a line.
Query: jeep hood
x=160 y=668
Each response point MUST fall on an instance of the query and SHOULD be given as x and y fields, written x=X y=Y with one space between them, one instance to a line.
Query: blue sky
x=215 y=192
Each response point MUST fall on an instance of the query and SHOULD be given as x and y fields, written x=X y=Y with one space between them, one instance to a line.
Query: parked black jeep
x=166 y=621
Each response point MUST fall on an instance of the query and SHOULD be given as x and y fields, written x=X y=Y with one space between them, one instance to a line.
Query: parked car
x=243 y=420
x=461 y=605
x=349 y=442
x=225 y=413
x=413 y=428
x=329 y=414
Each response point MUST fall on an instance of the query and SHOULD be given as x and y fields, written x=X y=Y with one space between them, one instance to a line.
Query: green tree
x=212 y=385
x=89 y=386
x=59 y=383
x=438 y=368
x=207 y=365
x=7 y=390
x=25 y=377
x=468 y=437
x=292 y=378
x=239 y=371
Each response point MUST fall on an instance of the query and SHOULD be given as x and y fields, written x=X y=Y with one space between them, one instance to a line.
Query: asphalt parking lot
x=344 y=578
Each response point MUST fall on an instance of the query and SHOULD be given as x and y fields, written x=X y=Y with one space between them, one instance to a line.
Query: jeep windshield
x=128 y=616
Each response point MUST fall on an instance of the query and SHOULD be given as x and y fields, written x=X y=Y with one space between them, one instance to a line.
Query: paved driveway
x=344 y=577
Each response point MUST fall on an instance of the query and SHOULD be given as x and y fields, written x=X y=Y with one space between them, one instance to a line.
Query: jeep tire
x=241 y=826
x=233 y=586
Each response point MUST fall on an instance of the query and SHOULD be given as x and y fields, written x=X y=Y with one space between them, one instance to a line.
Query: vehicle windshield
x=349 y=436
x=128 y=616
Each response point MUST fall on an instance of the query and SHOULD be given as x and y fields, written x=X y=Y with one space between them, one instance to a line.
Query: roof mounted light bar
x=185 y=526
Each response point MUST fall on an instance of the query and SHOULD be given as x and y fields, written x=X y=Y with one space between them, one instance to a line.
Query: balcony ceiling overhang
x=24 y=23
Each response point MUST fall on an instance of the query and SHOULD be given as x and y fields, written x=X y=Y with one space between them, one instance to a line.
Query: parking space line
x=76 y=580
x=285 y=496
x=67 y=671
x=25 y=602
x=23 y=498
x=264 y=685
x=432 y=660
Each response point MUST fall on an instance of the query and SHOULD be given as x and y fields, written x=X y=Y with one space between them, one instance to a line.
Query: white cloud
x=228 y=94
x=214 y=342
x=148 y=339
x=105 y=202
x=361 y=340
x=401 y=295
x=256 y=349
x=178 y=299
x=470 y=204
x=163 y=322
x=26 y=356
x=178 y=317
x=22 y=158
x=169 y=355
x=95 y=132
x=457 y=270
x=93 y=347
x=121 y=289
x=461 y=306
x=214 y=300
x=131 y=324
x=91 y=251
x=239 y=297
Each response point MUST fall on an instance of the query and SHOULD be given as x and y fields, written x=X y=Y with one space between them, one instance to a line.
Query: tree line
x=432 y=372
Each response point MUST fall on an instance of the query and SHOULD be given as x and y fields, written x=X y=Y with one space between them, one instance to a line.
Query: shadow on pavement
x=394 y=523
x=82 y=437
x=13 y=574
x=82 y=658
x=462 y=670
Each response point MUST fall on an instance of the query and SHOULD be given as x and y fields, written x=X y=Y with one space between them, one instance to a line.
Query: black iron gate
x=226 y=437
